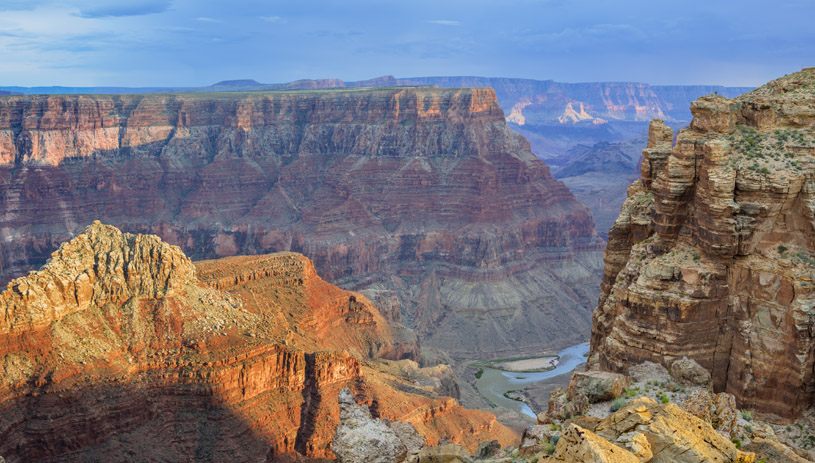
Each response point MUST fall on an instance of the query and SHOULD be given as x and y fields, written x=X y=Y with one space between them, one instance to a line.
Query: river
x=494 y=383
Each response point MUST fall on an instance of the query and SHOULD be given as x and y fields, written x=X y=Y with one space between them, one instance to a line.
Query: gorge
x=420 y=196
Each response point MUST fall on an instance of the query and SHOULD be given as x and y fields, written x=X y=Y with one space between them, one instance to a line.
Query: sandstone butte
x=116 y=351
x=421 y=195
x=712 y=256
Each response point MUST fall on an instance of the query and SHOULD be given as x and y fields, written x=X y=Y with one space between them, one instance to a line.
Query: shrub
x=747 y=415
x=479 y=373
x=549 y=448
x=782 y=249
x=664 y=399
x=617 y=404
x=737 y=442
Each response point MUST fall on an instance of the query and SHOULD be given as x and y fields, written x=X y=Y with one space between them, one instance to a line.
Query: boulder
x=673 y=435
x=773 y=451
x=488 y=449
x=636 y=443
x=649 y=371
x=726 y=418
x=687 y=371
x=535 y=438
x=363 y=439
x=597 y=386
x=578 y=445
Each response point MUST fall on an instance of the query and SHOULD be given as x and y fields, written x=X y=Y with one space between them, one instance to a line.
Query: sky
x=200 y=42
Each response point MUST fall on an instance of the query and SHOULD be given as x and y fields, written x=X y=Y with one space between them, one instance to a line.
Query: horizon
x=181 y=88
x=180 y=43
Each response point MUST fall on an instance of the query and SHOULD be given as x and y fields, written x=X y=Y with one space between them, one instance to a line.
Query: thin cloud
x=208 y=20
x=445 y=22
x=124 y=8
x=273 y=19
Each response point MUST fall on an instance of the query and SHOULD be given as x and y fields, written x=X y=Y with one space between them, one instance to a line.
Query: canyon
x=420 y=197
x=711 y=257
x=120 y=348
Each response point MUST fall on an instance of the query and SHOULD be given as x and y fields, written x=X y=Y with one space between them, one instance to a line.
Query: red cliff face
x=115 y=351
x=712 y=255
x=422 y=192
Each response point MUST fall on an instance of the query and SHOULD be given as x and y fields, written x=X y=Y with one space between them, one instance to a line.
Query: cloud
x=208 y=20
x=445 y=22
x=273 y=19
x=123 y=8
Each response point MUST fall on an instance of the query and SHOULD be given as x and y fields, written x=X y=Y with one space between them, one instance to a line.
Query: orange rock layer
x=115 y=351
x=712 y=256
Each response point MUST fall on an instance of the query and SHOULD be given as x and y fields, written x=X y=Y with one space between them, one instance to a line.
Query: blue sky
x=199 y=42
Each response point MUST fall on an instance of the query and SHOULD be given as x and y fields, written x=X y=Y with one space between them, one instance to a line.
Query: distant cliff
x=712 y=255
x=423 y=194
x=542 y=102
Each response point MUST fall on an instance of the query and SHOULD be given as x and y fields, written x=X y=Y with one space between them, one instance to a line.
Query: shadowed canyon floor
x=115 y=351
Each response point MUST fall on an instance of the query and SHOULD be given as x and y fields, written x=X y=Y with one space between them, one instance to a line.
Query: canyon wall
x=115 y=351
x=712 y=255
x=421 y=193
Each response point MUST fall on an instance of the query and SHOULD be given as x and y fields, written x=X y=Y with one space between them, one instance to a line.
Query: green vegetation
x=617 y=404
x=507 y=395
x=664 y=399
x=782 y=249
x=549 y=448
x=747 y=415
x=737 y=442
x=479 y=373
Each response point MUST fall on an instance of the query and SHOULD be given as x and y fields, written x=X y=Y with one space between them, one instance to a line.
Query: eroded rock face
x=578 y=445
x=422 y=192
x=670 y=435
x=115 y=348
x=712 y=256
x=363 y=439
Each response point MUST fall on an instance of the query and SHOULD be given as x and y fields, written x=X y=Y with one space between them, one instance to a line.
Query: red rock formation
x=711 y=257
x=114 y=351
x=424 y=192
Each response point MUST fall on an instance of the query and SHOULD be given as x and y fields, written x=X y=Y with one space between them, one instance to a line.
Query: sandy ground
x=528 y=364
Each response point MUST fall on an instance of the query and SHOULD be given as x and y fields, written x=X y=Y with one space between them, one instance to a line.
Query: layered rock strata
x=116 y=351
x=419 y=191
x=712 y=256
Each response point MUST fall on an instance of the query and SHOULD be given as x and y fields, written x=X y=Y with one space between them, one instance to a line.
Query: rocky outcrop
x=711 y=258
x=318 y=316
x=597 y=386
x=670 y=435
x=422 y=192
x=116 y=348
x=687 y=371
x=578 y=445
x=363 y=439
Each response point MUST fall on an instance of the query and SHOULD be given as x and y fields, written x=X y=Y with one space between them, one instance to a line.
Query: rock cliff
x=116 y=351
x=712 y=255
x=422 y=192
